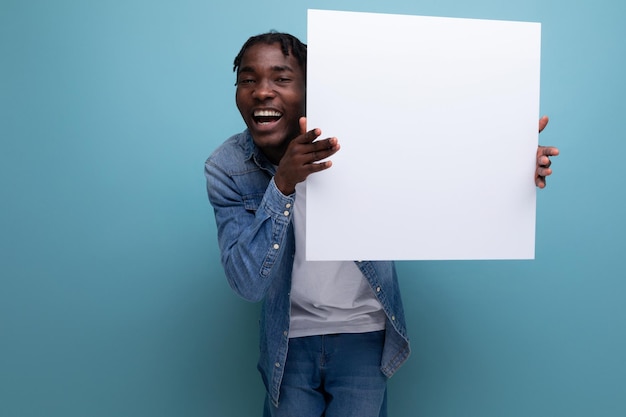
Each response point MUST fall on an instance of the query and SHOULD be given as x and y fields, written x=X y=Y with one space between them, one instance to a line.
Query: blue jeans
x=335 y=375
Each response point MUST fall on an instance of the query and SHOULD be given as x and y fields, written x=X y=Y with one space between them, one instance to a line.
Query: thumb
x=543 y=122
x=302 y=122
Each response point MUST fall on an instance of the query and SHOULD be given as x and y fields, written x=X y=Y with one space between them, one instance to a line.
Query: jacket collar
x=252 y=152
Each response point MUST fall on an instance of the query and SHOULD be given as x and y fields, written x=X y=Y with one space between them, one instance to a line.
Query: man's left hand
x=543 y=158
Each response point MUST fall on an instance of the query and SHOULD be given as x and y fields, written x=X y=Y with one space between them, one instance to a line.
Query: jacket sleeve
x=252 y=232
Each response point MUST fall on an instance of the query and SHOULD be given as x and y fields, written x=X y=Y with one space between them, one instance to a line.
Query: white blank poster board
x=437 y=121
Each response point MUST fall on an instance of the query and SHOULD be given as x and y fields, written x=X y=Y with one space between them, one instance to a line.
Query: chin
x=270 y=139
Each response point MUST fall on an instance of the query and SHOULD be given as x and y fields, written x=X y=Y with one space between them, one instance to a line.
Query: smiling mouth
x=264 y=117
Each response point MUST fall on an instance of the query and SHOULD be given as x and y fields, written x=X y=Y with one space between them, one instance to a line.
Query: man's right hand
x=302 y=158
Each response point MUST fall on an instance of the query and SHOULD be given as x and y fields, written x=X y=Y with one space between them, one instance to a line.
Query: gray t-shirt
x=328 y=296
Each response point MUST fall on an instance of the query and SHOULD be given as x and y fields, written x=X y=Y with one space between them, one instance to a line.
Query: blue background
x=112 y=298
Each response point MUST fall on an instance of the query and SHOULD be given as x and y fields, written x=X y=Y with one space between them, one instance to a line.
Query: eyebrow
x=275 y=68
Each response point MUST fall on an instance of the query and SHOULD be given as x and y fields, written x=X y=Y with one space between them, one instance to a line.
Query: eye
x=245 y=81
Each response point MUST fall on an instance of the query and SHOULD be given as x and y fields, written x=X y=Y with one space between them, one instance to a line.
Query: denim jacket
x=257 y=244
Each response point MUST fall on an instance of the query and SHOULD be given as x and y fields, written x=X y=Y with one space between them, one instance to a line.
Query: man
x=331 y=333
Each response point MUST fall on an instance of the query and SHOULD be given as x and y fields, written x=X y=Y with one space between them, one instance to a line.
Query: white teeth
x=267 y=113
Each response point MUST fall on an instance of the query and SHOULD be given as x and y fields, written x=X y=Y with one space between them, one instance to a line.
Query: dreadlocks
x=289 y=44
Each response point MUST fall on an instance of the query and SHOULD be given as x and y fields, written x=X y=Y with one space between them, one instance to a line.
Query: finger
x=302 y=122
x=323 y=149
x=317 y=167
x=543 y=122
x=547 y=151
x=307 y=137
x=544 y=161
x=317 y=156
x=540 y=182
x=310 y=136
x=324 y=144
x=544 y=172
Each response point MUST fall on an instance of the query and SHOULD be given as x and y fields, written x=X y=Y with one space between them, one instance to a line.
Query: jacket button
x=276 y=246
x=277 y=365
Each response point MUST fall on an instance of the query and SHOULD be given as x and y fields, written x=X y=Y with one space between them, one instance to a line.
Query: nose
x=264 y=89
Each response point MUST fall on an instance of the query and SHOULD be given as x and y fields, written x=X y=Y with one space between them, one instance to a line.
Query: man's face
x=270 y=97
